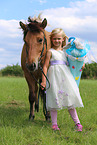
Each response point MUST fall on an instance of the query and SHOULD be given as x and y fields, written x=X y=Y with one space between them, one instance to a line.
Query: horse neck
x=47 y=35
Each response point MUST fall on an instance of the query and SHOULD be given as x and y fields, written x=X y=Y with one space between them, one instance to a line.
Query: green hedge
x=90 y=71
x=14 y=70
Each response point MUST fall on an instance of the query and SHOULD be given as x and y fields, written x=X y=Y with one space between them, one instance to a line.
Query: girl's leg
x=74 y=115
x=75 y=118
x=54 y=119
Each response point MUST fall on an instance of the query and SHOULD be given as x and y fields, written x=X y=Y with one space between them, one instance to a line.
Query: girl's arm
x=45 y=68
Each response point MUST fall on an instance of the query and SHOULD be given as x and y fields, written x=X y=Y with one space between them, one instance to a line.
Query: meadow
x=16 y=129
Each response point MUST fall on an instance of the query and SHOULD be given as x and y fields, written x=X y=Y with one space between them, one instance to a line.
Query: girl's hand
x=44 y=85
x=83 y=66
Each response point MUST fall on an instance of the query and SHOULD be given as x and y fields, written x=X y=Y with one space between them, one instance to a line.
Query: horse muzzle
x=31 y=67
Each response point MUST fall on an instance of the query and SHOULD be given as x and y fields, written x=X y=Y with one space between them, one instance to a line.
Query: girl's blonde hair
x=57 y=31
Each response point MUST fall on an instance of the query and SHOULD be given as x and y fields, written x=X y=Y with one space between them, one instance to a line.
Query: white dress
x=63 y=91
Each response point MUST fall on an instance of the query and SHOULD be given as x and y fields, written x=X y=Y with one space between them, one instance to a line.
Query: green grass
x=16 y=129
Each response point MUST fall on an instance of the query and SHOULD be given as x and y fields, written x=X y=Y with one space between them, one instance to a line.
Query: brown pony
x=36 y=44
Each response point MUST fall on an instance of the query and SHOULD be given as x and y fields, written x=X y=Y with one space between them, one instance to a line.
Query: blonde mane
x=38 y=19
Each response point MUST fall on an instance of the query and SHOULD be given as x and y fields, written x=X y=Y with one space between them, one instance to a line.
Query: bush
x=90 y=71
x=14 y=70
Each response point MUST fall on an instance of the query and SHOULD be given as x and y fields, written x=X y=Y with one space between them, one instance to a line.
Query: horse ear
x=44 y=23
x=23 y=26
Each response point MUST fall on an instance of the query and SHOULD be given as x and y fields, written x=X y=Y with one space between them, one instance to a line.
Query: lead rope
x=45 y=77
x=45 y=41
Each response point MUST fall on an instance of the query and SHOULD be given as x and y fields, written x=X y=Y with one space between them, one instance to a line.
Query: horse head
x=34 y=42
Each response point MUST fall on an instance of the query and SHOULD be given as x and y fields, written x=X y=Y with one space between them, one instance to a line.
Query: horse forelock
x=34 y=27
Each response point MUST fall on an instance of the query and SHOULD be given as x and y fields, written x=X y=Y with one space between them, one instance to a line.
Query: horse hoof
x=48 y=119
x=31 y=117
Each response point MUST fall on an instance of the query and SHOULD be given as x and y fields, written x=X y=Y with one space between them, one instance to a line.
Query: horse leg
x=36 y=98
x=32 y=103
x=33 y=100
x=37 y=102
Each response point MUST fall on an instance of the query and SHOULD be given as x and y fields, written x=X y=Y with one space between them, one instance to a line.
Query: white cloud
x=2 y=49
x=42 y=1
x=79 y=19
x=9 y=28
x=11 y=42
x=90 y=1
x=87 y=7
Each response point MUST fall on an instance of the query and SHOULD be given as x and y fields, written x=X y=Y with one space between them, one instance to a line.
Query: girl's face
x=57 y=40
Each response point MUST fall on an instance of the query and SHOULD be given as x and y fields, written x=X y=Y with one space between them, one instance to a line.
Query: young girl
x=63 y=91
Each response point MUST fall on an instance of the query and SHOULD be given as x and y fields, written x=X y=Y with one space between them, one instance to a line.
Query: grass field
x=16 y=129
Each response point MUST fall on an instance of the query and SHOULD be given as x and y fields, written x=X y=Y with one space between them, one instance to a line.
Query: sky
x=78 y=18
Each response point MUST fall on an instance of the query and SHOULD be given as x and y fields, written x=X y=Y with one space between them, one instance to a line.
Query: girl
x=63 y=91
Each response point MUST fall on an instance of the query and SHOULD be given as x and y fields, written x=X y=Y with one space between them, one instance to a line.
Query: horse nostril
x=31 y=67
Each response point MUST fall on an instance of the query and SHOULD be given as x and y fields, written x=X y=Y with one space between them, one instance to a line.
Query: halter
x=45 y=41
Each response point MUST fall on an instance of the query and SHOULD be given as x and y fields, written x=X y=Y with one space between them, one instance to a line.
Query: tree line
x=12 y=70
x=89 y=72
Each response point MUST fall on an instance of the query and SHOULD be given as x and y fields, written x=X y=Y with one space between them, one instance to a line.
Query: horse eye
x=40 y=40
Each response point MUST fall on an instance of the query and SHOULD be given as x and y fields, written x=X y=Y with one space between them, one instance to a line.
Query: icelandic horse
x=36 y=43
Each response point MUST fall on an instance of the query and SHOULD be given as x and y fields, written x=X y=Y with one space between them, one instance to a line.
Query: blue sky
x=21 y=9
x=77 y=17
